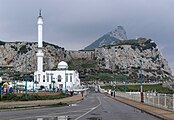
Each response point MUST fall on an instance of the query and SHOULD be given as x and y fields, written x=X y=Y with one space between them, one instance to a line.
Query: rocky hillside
x=108 y=39
x=22 y=55
x=124 y=57
x=121 y=58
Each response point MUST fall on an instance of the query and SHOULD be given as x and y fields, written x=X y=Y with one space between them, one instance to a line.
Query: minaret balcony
x=40 y=54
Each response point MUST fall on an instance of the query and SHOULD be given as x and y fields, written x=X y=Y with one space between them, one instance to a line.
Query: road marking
x=54 y=114
x=90 y=110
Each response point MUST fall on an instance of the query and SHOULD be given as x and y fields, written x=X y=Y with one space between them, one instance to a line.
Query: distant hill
x=108 y=39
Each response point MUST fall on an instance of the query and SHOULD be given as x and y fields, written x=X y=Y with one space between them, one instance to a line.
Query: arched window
x=43 y=78
x=47 y=74
x=66 y=78
x=59 y=78
x=38 y=77
x=35 y=77
x=71 y=77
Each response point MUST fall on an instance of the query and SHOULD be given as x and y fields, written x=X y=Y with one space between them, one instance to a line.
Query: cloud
x=80 y=22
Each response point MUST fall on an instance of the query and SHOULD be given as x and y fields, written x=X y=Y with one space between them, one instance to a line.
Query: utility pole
x=0 y=87
x=65 y=82
x=141 y=86
x=26 y=77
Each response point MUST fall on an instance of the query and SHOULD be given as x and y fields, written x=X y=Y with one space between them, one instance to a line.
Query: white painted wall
x=72 y=79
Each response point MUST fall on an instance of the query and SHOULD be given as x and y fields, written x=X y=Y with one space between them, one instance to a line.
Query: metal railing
x=160 y=100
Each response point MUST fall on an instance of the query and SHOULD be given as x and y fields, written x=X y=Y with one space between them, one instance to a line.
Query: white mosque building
x=60 y=79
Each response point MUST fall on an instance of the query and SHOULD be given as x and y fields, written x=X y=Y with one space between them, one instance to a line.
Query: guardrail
x=165 y=101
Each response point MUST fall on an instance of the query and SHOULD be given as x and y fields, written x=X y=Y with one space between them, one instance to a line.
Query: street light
x=113 y=84
x=141 y=86
x=124 y=86
x=65 y=82
x=141 y=79
x=125 y=79
x=33 y=83
x=26 y=76
x=0 y=88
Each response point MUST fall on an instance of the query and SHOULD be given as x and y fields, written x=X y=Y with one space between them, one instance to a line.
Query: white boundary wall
x=165 y=101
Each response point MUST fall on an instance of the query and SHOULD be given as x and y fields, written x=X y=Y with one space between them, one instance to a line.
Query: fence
x=156 y=99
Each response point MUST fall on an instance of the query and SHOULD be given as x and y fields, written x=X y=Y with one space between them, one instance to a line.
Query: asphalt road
x=95 y=106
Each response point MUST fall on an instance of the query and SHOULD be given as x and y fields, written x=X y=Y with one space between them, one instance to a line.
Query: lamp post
x=26 y=77
x=141 y=86
x=125 y=79
x=0 y=88
x=141 y=79
x=65 y=82
x=114 y=84
x=33 y=83
x=124 y=86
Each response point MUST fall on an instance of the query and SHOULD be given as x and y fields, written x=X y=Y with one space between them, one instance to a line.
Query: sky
x=74 y=24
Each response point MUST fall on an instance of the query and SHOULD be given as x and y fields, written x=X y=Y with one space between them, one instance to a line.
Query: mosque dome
x=62 y=65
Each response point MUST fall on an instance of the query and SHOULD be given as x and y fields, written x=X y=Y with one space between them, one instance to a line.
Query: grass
x=173 y=86
x=60 y=104
x=31 y=97
x=158 y=88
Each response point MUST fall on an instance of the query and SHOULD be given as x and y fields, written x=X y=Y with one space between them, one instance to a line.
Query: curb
x=40 y=104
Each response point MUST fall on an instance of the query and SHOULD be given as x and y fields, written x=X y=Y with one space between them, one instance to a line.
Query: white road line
x=90 y=110
x=54 y=114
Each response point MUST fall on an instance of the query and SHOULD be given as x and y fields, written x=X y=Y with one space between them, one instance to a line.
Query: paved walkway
x=158 y=112
x=40 y=102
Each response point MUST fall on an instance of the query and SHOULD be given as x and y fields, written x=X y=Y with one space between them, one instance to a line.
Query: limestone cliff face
x=22 y=55
x=123 y=55
x=126 y=55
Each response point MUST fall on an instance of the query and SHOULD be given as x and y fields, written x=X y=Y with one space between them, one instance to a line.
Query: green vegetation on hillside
x=134 y=88
x=100 y=76
x=55 y=46
x=173 y=86
x=140 y=43
x=2 y=43
x=88 y=65
x=23 y=49
x=81 y=64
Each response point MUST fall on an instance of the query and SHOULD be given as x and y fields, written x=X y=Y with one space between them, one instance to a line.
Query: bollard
x=158 y=99
x=144 y=97
x=148 y=98
x=165 y=101
x=153 y=99
x=173 y=102
x=111 y=93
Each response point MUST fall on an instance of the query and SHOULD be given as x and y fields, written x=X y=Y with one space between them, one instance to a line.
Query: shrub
x=23 y=49
x=30 y=97
x=10 y=97
x=2 y=43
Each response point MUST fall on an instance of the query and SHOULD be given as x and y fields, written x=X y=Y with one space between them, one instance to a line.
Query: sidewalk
x=160 y=113
x=69 y=100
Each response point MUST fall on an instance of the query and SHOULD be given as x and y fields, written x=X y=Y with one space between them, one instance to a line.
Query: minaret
x=40 y=53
